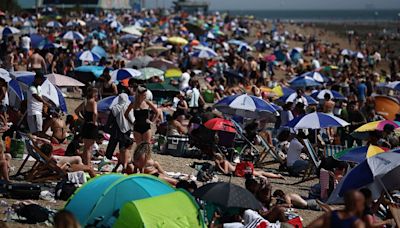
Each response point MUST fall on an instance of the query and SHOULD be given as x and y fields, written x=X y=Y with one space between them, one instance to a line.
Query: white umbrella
x=89 y=56
x=132 y=30
x=316 y=120
x=72 y=35
x=54 y=24
x=63 y=81
x=121 y=74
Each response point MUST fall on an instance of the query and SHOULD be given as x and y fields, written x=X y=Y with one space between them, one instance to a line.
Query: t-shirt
x=26 y=42
x=361 y=89
x=35 y=107
x=184 y=81
x=294 y=152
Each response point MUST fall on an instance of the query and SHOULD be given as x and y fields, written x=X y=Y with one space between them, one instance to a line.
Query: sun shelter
x=101 y=198
x=173 y=210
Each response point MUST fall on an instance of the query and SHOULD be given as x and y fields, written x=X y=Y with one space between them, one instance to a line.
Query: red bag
x=296 y=222
x=244 y=168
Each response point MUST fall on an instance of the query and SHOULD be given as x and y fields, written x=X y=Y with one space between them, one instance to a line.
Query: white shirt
x=26 y=42
x=294 y=151
x=149 y=95
x=184 y=81
x=316 y=64
x=194 y=101
x=34 y=106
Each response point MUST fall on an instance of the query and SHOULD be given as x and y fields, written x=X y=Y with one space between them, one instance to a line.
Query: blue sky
x=292 y=4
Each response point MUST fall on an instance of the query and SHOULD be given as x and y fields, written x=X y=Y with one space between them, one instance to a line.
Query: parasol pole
x=386 y=191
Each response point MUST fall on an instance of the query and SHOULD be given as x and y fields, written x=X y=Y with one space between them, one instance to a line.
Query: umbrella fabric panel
x=358 y=177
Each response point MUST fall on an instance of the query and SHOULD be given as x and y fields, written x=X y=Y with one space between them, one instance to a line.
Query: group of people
x=236 y=69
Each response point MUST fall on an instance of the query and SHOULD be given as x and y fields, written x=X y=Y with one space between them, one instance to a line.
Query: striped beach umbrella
x=334 y=95
x=316 y=120
x=204 y=54
x=88 y=56
x=121 y=74
x=8 y=30
x=72 y=35
x=304 y=81
x=105 y=104
x=54 y=24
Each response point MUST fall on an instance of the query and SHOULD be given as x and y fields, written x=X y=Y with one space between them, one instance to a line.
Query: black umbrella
x=227 y=195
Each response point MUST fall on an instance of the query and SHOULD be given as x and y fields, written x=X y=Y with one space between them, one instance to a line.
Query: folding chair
x=242 y=136
x=331 y=150
x=313 y=163
x=43 y=169
x=267 y=150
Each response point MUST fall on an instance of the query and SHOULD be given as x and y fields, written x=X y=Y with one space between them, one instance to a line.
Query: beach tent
x=173 y=210
x=102 y=197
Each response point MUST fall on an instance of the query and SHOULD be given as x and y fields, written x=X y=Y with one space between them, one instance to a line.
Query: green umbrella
x=162 y=90
x=149 y=72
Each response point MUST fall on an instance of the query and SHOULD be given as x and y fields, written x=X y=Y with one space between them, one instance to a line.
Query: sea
x=321 y=15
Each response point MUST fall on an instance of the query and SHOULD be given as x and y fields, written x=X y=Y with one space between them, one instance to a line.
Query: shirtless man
x=36 y=62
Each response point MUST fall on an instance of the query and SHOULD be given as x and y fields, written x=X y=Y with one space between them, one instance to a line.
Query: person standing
x=36 y=62
x=35 y=104
x=89 y=133
x=356 y=120
x=3 y=102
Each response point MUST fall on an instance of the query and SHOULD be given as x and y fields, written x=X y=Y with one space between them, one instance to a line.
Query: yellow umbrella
x=377 y=126
x=173 y=73
x=374 y=150
x=177 y=40
x=155 y=49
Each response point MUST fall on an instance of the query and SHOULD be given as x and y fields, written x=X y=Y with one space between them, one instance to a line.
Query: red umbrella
x=219 y=124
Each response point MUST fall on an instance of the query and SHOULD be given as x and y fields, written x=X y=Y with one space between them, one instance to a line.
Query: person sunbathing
x=226 y=168
x=57 y=126
x=143 y=163
x=67 y=163
x=294 y=200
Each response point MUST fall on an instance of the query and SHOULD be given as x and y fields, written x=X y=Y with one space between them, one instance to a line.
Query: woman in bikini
x=143 y=163
x=141 y=110
x=57 y=126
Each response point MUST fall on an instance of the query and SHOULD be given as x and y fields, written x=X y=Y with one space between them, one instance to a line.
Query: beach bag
x=33 y=213
x=296 y=222
x=244 y=168
x=64 y=190
x=23 y=191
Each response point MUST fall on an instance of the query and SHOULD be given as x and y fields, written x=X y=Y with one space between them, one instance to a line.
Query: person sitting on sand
x=272 y=214
x=226 y=168
x=143 y=163
x=294 y=200
x=67 y=163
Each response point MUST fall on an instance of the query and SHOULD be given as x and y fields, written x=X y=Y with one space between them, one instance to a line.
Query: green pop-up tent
x=173 y=210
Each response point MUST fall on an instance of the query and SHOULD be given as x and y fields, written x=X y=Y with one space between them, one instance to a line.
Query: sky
x=291 y=4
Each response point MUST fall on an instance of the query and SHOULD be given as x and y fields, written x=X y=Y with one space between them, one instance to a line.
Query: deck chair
x=242 y=136
x=313 y=163
x=331 y=150
x=44 y=168
x=267 y=149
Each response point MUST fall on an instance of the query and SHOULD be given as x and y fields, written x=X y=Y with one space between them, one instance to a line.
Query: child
x=143 y=163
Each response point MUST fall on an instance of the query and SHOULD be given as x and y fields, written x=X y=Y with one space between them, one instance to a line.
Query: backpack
x=64 y=190
x=33 y=213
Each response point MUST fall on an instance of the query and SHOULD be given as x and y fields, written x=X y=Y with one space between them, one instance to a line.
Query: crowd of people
x=234 y=67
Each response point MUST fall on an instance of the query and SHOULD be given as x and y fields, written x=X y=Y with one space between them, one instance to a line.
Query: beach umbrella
x=149 y=72
x=304 y=81
x=156 y=50
x=88 y=56
x=124 y=73
x=36 y=40
x=177 y=40
x=105 y=104
x=133 y=30
x=163 y=90
x=50 y=91
x=246 y=106
x=346 y=52
x=13 y=86
x=54 y=24
x=393 y=85
x=294 y=98
x=8 y=30
x=204 y=54
x=227 y=195
x=334 y=94
x=287 y=91
x=377 y=173
x=236 y=42
x=317 y=76
x=316 y=120
x=173 y=73
x=219 y=124
x=162 y=64
x=358 y=55
x=98 y=35
x=359 y=154
x=140 y=62
x=159 y=39
x=88 y=74
x=210 y=35
x=17 y=20
x=245 y=46
x=28 y=30
x=116 y=25
x=72 y=35
x=4 y=74
x=76 y=23
x=46 y=44
x=377 y=126
x=98 y=50
x=128 y=38
x=63 y=81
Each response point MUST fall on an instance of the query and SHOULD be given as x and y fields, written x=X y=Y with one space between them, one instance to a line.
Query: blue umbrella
x=88 y=56
x=98 y=35
x=95 y=70
x=307 y=100
x=316 y=120
x=36 y=40
x=287 y=91
x=72 y=35
x=106 y=103
x=54 y=24
x=204 y=54
x=246 y=106
x=236 y=42
x=317 y=76
x=334 y=95
x=304 y=81
x=128 y=38
x=393 y=85
x=121 y=74
x=99 y=51
x=10 y=31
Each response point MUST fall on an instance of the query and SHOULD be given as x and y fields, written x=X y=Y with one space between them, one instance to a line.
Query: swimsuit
x=141 y=117
x=345 y=223
x=89 y=129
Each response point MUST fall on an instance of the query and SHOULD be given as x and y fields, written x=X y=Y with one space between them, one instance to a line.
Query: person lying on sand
x=226 y=168
x=143 y=163
x=67 y=163
x=294 y=200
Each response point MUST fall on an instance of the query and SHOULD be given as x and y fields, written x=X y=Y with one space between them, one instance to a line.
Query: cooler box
x=177 y=146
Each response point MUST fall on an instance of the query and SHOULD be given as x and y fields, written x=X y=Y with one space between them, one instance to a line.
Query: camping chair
x=312 y=164
x=44 y=168
x=249 y=144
